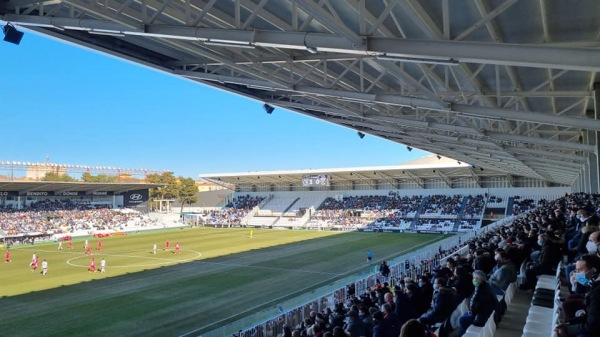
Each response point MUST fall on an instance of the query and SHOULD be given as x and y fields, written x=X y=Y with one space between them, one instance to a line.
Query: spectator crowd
x=412 y=301
x=65 y=216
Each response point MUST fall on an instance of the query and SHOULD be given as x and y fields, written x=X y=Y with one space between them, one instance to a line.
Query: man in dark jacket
x=402 y=306
x=443 y=303
x=384 y=269
x=482 y=304
x=391 y=323
x=461 y=282
x=426 y=290
x=588 y=273
x=584 y=217
x=355 y=326
x=548 y=259
x=504 y=275
x=378 y=324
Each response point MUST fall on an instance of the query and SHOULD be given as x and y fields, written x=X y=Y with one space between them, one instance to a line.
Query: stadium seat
x=458 y=312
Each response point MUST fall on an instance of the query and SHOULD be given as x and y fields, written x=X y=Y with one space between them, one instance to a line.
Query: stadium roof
x=417 y=170
x=505 y=85
x=53 y=186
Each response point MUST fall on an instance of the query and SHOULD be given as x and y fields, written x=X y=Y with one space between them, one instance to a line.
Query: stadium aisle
x=514 y=320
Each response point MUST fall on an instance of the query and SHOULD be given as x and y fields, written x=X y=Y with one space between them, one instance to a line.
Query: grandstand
x=75 y=209
x=51 y=210
x=414 y=196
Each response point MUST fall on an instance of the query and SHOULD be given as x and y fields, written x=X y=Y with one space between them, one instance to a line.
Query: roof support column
x=585 y=179
x=593 y=138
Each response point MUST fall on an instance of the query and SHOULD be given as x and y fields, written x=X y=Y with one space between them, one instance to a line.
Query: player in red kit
x=177 y=248
x=7 y=256
x=88 y=250
x=99 y=245
x=70 y=244
x=167 y=245
x=92 y=266
x=34 y=262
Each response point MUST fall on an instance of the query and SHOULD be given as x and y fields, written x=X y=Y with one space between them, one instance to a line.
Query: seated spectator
x=287 y=331
x=355 y=326
x=403 y=308
x=462 y=283
x=378 y=329
x=549 y=257
x=588 y=273
x=338 y=332
x=415 y=300
x=414 y=328
x=391 y=323
x=367 y=319
x=576 y=300
x=481 y=306
x=505 y=274
x=483 y=261
x=443 y=303
x=426 y=290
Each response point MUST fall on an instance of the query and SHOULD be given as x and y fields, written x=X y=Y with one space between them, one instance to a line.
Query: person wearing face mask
x=588 y=321
x=591 y=247
x=426 y=290
x=415 y=300
x=461 y=282
x=482 y=304
x=584 y=219
x=593 y=244
x=442 y=305
x=575 y=300
x=549 y=257
x=590 y=226
x=365 y=315
x=505 y=274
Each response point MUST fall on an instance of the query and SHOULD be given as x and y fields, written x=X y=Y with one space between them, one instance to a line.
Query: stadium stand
x=565 y=225
x=453 y=260
x=53 y=219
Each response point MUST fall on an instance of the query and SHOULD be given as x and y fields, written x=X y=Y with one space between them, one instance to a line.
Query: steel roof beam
x=461 y=109
x=552 y=154
x=537 y=56
x=541 y=141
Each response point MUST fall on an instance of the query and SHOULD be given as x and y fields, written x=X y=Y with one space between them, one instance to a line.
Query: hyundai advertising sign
x=135 y=198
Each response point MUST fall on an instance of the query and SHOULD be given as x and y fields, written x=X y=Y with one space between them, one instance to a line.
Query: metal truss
x=509 y=87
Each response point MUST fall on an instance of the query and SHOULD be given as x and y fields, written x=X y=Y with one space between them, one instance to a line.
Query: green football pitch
x=220 y=276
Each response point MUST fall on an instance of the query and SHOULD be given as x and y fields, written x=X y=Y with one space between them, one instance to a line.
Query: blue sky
x=81 y=107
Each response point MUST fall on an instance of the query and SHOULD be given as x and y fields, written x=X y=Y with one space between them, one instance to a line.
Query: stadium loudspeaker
x=269 y=109
x=11 y=34
x=361 y=135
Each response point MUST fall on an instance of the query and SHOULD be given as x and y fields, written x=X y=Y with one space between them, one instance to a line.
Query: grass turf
x=221 y=275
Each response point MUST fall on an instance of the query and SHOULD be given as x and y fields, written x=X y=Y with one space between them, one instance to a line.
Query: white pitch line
x=167 y=261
